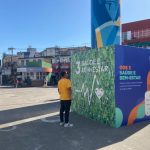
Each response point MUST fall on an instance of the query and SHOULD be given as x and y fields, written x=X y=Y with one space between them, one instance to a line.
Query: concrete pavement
x=20 y=97
x=46 y=134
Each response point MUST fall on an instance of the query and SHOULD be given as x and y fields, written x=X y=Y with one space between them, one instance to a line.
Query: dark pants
x=65 y=107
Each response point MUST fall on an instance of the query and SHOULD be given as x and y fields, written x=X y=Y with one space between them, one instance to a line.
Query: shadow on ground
x=85 y=135
x=7 y=116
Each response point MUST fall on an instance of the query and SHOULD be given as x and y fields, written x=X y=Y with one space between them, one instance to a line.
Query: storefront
x=36 y=74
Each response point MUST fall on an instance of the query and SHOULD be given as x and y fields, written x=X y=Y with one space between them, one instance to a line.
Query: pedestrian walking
x=64 y=89
x=45 y=82
x=16 y=83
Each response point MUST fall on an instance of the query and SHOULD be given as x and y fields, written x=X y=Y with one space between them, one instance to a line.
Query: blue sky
x=46 y=23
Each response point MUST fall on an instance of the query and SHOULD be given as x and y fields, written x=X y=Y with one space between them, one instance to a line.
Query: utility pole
x=12 y=51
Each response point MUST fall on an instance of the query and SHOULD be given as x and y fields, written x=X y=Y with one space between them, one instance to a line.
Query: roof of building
x=142 y=24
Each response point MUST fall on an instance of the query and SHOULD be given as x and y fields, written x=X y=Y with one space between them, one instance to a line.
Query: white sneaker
x=61 y=123
x=66 y=125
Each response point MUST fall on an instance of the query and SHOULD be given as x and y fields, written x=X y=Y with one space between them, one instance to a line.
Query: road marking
x=10 y=129
x=6 y=125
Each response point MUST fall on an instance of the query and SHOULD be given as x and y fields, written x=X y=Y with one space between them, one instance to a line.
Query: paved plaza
x=21 y=97
x=29 y=121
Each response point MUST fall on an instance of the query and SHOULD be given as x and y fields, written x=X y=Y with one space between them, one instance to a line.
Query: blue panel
x=104 y=14
x=132 y=83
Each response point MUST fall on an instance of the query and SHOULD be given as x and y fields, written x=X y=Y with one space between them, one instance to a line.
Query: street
x=29 y=120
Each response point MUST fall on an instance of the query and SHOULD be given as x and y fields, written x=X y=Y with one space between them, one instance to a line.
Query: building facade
x=33 y=66
x=61 y=57
x=9 y=68
x=136 y=33
x=38 y=66
x=61 y=60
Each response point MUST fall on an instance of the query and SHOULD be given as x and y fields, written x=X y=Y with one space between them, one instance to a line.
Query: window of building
x=22 y=62
x=144 y=33
x=37 y=76
x=28 y=74
x=136 y=34
x=129 y=35
x=41 y=76
x=140 y=33
x=124 y=36
x=32 y=75
x=148 y=32
x=27 y=61
x=24 y=75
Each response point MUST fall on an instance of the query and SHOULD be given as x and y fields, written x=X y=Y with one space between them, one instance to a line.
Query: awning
x=34 y=69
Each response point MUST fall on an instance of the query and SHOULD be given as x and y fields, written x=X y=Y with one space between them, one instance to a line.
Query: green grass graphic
x=94 y=71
